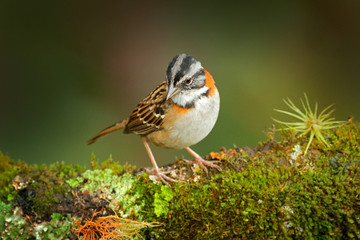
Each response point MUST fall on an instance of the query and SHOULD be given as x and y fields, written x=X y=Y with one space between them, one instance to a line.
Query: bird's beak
x=172 y=92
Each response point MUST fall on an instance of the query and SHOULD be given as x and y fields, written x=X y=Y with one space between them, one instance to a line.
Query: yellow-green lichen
x=113 y=188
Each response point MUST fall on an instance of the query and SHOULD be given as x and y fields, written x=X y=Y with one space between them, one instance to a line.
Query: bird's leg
x=201 y=162
x=156 y=171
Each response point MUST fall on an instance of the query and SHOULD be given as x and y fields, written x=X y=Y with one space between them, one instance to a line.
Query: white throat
x=187 y=98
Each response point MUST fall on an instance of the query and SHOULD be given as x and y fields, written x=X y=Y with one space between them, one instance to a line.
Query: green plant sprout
x=310 y=122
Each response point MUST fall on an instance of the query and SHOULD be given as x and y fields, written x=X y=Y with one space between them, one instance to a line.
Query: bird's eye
x=188 y=81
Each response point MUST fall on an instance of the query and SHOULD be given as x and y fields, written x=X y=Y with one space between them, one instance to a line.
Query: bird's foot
x=203 y=163
x=162 y=176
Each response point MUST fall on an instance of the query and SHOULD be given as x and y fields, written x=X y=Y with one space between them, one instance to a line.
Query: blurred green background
x=69 y=69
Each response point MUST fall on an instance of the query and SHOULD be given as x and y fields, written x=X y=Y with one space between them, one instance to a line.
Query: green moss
x=37 y=189
x=323 y=204
x=14 y=226
x=266 y=192
x=272 y=191
x=8 y=170
x=58 y=228
x=346 y=139
x=116 y=167
x=5 y=210
x=46 y=189
x=162 y=201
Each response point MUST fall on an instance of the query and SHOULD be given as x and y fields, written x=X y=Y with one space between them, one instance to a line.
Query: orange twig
x=109 y=227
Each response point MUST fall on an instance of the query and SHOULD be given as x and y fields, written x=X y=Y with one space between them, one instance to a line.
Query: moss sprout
x=311 y=123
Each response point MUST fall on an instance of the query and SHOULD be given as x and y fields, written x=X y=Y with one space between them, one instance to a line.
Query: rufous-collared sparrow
x=179 y=113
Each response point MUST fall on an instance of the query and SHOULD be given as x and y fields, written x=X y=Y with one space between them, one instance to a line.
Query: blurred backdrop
x=69 y=69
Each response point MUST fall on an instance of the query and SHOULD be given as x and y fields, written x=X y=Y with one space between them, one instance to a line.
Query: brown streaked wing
x=148 y=116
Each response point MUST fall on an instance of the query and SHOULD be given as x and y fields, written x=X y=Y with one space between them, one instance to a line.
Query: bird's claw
x=203 y=163
x=162 y=176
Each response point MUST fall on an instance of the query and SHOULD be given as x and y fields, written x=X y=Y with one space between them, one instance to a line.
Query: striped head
x=186 y=80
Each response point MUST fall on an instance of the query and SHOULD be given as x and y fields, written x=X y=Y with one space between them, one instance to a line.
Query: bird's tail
x=112 y=128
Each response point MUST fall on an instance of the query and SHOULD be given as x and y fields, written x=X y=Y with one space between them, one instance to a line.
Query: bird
x=177 y=114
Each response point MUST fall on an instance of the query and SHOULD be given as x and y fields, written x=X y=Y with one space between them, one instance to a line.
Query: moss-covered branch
x=272 y=190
